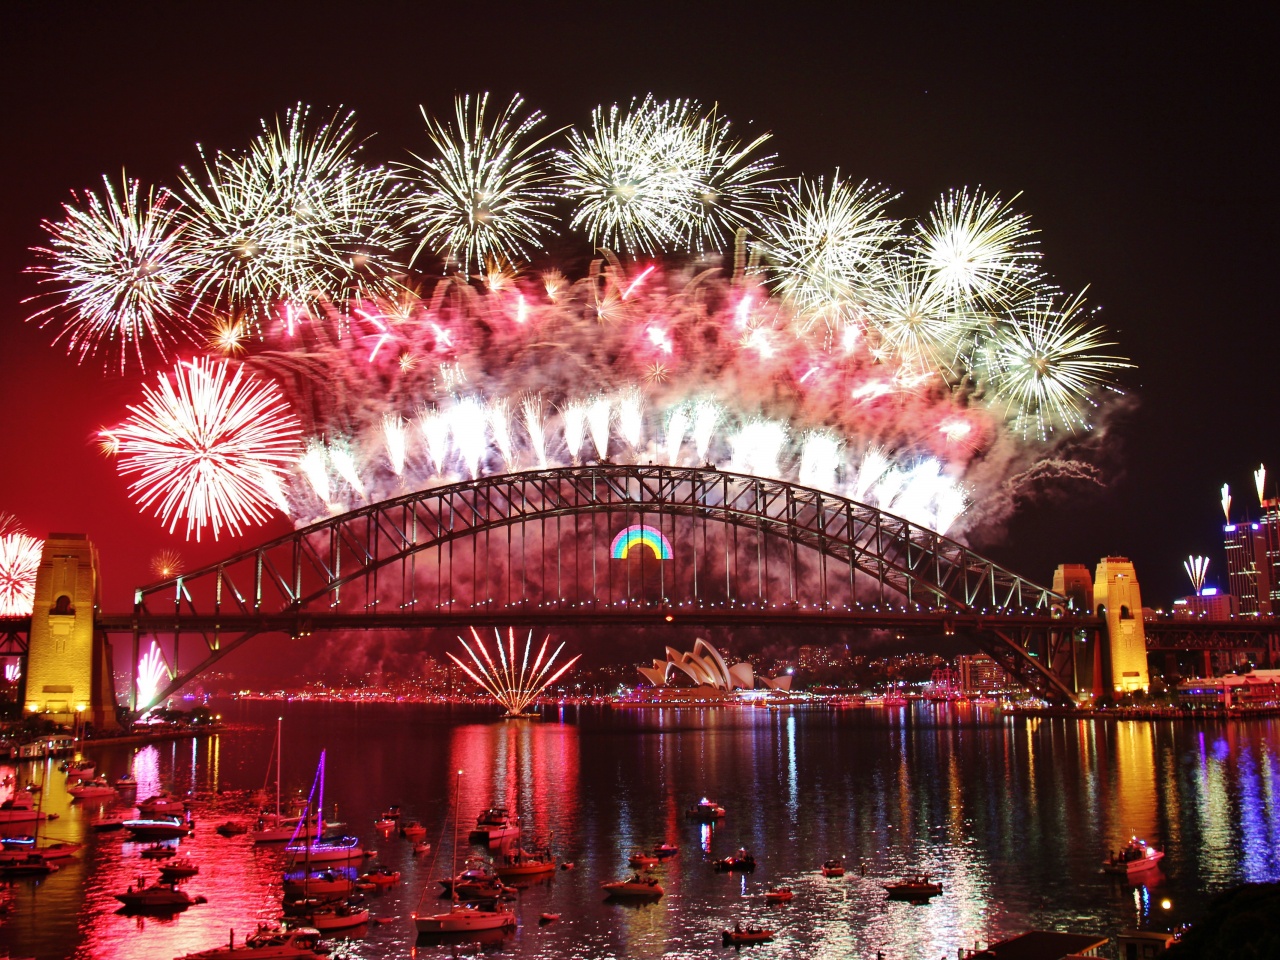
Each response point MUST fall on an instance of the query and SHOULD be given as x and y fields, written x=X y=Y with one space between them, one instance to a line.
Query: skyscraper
x=1249 y=567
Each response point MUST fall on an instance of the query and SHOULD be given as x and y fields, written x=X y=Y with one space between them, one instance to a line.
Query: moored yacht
x=494 y=825
x=325 y=850
x=266 y=943
x=159 y=897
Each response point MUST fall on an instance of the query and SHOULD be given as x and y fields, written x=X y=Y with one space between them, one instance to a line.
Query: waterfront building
x=979 y=674
x=1256 y=690
x=706 y=667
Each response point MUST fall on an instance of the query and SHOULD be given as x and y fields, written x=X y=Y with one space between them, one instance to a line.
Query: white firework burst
x=513 y=682
x=119 y=267
x=19 y=561
x=826 y=246
x=1046 y=368
x=487 y=194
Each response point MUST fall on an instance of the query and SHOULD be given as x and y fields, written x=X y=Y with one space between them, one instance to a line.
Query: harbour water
x=1013 y=815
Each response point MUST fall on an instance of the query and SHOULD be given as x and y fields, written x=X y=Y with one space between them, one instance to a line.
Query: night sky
x=1138 y=139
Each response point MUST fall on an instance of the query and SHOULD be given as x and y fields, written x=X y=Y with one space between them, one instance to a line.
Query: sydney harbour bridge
x=615 y=544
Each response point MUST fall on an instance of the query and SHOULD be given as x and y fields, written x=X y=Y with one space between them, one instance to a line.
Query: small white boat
x=779 y=895
x=180 y=869
x=325 y=850
x=126 y=783
x=635 y=886
x=1134 y=857
x=413 y=830
x=916 y=886
x=267 y=943
x=639 y=858
x=158 y=828
x=421 y=848
x=159 y=897
x=20 y=808
x=495 y=825
x=81 y=770
x=273 y=829
x=98 y=787
x=321 y=883
x=833 y=868
x=339 y=916
x=159 y=852
x=748 y=934
x=706 y=810
x=162 y=805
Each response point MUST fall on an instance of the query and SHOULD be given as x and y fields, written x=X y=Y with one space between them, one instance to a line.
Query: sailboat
x=278 y=828
x=304 y=849
x=462 y=917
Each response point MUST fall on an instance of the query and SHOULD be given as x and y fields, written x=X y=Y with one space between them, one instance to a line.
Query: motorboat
x=319 y=883
x=326 y=849
x=159 y=897
x=833 y=868
x=266 y=943
x=19 y=808
x=127 y=783
x=58 y=850
x=706 y=810
x=159 y=852
x=494 y=825
x=1134 y=857
x=546 y=918
x=180 y=869
x=413 y=830
x=81 y=770
x=163 y=804
x=18 y=863
x=665 y=850
x=159 y=828
x=336 y=916
x=421 y=848
x=462 y=917
x=381 y=877
x=98 y=787
x=519 y=864
x=385 y=824
x=477 y=881
x=272 y=828
x=916 y=886
x=634 y=886
x=748 y=934
x=741 y=862
x=231 y=829
x=639 y=858
x=779 y=894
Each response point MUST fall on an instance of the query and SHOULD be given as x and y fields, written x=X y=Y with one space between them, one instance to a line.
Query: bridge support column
x=1115 y=591
x=69 y=675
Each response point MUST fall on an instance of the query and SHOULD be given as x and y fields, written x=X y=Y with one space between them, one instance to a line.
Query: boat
x=17 y=863
x=916 y=886
x=477 y=881
x=159 y=828
x=81 y=770
x=385 y=824
x=19 y=809
x=98 y=787
x=317 y=883
x=462 y=917
x=1134 y=857
x=266 y=943
x=748 y=934
x=494 y=825
x=58 y=850
x=326 y=849
x=634 y=886
x=741 y=862
x=126 y=783
x=706 y=810
x=336 y=916
x=231 y=829
x=833 y=868
x=639 y=858
x=413 y=830
x=381 y=877
x=664 y=850
x=181 y=869
x=163 y=804
x=278 y=827
x=159 y=852
x=422 y=847
x=546 y=918
x=521 y=863
x=779 y=894
x=159 y=897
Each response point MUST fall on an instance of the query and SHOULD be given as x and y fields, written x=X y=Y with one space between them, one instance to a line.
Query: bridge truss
x=534 y=548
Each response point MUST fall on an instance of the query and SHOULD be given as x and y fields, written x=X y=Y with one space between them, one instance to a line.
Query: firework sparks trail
x=1260 y=481
x=1226 y=501
x=152 y=673
x=13 y=671
x=19 y=561
x=513 y=686
x=166 y=564
x=1197 y=569
x=9 y=524
x=928 y=344
x=200 y=442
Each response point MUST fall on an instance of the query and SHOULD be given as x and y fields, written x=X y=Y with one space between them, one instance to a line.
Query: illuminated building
x=979 y=674
x=1256 y=690
x=1072 y=580
x=1117 y=598
x=1209 y=604
x=707 y=668
x=1249 y=571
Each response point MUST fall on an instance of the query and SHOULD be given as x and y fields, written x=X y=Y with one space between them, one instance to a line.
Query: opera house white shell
x=706 y=668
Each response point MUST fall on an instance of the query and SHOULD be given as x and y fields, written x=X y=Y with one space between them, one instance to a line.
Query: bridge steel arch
x=782 y=553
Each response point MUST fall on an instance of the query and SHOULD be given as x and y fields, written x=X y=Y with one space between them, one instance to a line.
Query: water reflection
x=1013 y=816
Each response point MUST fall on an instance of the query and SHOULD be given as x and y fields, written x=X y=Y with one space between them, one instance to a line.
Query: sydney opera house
x=708 y=672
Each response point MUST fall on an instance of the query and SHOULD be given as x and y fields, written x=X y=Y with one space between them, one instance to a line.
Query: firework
x=1197 y=568
x=201 y=441
x=707 y=415
x=757 y=447
x=19 y=560
x=574 y=416
x=294 y=219
x=1226 y=501
x=631 y=417
x=915 y=320
x=487 y=194
x=467 y=421
x=393 y=430
x=1260 y=482
x=314 y=466
x=9 y=524
x=820 y=460
x=434 y=427
x=152 y=673
x=500 y=428
x=974 y=247
x=513 y=684
x=166 y=564
x=13 y=671
x=119 y=268
x=599 y=416
x=531 y=414
x=344 y=462
x=677 y=427
x=827 y=246
x=1046 y=370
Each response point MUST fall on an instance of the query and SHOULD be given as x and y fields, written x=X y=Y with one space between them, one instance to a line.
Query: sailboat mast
x=453 y=872
x=279 y=721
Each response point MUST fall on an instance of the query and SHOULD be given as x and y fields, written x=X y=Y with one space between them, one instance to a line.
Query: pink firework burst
x=207 y=445
x=19 y=560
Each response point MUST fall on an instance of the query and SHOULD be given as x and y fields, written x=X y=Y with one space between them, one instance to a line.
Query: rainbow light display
x=641 y=535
